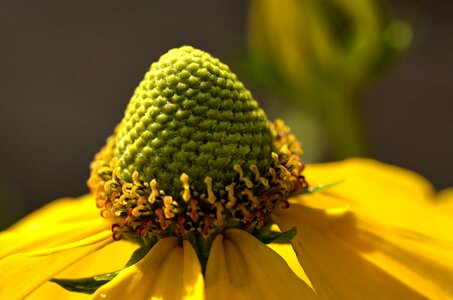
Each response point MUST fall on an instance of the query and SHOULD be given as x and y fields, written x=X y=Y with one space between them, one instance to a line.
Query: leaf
x=89 y=285
x=141 y=252
x=86 y=285
x=278 y=237
x=314 y=189
x=106 y=277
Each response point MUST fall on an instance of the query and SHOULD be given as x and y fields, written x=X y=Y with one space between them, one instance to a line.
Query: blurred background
x=352 y=78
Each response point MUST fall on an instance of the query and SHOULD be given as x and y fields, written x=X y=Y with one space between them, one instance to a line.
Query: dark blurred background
x=68 y=68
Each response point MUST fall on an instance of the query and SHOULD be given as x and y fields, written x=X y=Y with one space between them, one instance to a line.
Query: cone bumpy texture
x=191 y=115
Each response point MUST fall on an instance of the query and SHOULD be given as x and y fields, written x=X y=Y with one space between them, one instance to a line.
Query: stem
x=340 y=115
x=343 y=120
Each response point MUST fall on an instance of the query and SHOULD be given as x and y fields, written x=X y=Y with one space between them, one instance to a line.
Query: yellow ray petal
x=65 y=210
x=373 y=186
x=180 y=276
x=286 y=251
x=51 y=290
x=110 y=258
x=168 y=271
x=241 y=267
x=380 y=193
x=38 y=238
x=445 y=201
x=225 y=278
x=193 y=281
x=60 y=222
x=348 y=256
x=385 y=218
x=23 y=273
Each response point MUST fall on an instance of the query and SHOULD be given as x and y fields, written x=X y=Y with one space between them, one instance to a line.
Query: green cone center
x=194 y=154
x=191 y=115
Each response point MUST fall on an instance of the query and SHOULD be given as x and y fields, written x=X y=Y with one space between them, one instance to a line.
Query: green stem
x=343 y=121
x=340 y=115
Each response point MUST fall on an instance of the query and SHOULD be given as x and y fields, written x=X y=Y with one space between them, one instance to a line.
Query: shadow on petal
x=58 y=223
x=348 y=256
x=241 y=267
x=169 y=271
x=35 y=268
x=110 y=258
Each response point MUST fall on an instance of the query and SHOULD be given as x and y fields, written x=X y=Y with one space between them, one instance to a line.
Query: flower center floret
x=193 y=153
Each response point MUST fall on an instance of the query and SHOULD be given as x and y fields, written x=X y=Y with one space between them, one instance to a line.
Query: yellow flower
x=375 y=235
x=200 y=225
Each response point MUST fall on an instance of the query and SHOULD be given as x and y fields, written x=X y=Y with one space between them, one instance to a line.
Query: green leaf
x=141 y=252
x=277 y=237
x=314 y=189
x=106 y=277
x=86 y=285
x=89 y=285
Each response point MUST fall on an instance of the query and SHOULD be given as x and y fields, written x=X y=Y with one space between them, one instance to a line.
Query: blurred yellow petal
x=51 y=290
x=34 y=239
x=65 y=210
x=445 y=201
x=110 y=258
x=23 y=273
x=371 y=184
x=335 y=267
x=384 y=239
x=380 y=193
x=57 y=223
x=241 y=267
x=168 y=271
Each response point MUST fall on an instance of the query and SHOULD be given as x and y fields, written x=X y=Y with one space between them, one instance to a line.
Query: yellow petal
x=110 y=258
x=335 y=267
x=23 y=273
x=51 y=290
x=34 y=239
x=286 y=251
x=385 y=239
x=445 y=201
x=168 y=271
x=65 y=210
x=380 y=193
x=241 y=267
x=193 y=281
x=372 y=184
x=60 y=222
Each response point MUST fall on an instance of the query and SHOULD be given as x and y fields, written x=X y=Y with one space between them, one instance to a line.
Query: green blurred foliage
x=317 y=56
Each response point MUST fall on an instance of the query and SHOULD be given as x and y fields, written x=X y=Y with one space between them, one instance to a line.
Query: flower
x=195 y=215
